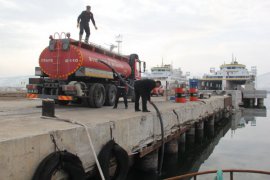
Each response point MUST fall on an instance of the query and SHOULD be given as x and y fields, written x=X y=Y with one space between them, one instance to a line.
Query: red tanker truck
x=72 y=71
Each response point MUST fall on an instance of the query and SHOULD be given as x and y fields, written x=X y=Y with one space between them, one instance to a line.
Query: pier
x=25 y=136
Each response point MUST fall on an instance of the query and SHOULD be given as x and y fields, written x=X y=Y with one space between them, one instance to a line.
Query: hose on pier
x=118 y=75
x=158 y=114
x=162 y=137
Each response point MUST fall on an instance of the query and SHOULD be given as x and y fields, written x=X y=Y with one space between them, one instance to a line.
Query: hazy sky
x=192 y=34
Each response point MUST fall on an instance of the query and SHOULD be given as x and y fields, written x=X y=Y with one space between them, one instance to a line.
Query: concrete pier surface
x=25 y=136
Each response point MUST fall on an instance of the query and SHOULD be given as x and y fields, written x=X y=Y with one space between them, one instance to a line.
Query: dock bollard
x=193 y=89
x=180 y=95
x=193 y=94
x=48 y=107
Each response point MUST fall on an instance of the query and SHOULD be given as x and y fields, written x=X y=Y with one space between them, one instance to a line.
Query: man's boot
x=86 y=40
x=146 y=110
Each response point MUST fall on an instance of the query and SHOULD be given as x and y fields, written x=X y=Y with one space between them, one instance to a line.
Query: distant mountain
x=263 y=82
x=15 y=81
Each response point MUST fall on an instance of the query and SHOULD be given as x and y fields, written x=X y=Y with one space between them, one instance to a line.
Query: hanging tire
x=96 y=96
x=108 y=151
x=60 y=161
x=111 y=91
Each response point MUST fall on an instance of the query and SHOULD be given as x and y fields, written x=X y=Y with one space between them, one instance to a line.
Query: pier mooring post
x=148 y=163
x=48 y=108
x=211 y=126
x=260 y=103
x=171 y=147
x=190 y=136
x=251 y=102
x=199 y=131
x=182 y=143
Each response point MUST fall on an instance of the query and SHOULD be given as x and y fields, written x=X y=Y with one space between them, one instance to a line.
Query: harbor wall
x=26 y=140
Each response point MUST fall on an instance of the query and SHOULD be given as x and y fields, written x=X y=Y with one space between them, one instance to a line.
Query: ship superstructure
x=165 y=73
x=230 y=76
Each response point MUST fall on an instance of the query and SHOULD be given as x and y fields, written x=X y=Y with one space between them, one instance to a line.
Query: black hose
x=162 y=137
x=158 y=113
x=118 y=75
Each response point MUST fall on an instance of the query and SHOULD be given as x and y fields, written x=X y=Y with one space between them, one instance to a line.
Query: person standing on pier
x=121 y=92
x=83 y=23
x=143 y=89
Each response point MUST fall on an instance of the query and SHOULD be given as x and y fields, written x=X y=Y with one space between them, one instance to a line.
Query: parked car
x=158 y=90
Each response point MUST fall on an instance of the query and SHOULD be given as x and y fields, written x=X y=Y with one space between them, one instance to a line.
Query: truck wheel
x=96 y=97
x=111 y=91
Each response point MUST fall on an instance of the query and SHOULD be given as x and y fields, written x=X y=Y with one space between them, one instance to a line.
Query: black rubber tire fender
x=109 y=150
x=111 y=91
x=93 y=100
x=64 y=160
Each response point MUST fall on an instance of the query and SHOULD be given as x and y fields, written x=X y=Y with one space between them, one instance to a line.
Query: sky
x=192 y=34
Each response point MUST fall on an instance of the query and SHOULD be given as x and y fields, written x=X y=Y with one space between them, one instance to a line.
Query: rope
x=89 y=139
x=177 y=117
x=56 y=148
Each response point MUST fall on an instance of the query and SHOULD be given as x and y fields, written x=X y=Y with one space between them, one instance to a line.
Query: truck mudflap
x=44 y=96
x=31 y=96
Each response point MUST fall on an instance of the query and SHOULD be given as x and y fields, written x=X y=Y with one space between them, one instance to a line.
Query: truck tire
x=96 y=97
x=111 y=91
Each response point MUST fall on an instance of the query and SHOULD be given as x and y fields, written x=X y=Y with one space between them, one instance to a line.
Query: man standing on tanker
x=83 y=23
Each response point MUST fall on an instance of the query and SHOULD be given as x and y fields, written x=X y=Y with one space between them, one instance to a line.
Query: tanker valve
x=69 y=89
x=68 y=35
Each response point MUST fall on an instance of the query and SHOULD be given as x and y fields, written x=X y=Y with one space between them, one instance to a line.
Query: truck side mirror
x=144 y=66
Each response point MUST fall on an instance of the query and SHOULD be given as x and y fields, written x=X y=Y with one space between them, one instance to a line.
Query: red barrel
x=180 y=95
x=193 y=94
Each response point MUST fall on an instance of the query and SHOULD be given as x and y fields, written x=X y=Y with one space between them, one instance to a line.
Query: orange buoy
x=193 y=94
x=180 y=95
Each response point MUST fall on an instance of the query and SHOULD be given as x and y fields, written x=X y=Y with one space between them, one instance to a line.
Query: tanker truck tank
x=59 y=62
x=72 y=71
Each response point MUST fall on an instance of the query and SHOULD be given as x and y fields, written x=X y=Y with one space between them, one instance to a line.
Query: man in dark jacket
x=83 y=23
x=121 y=92
x=143 y=89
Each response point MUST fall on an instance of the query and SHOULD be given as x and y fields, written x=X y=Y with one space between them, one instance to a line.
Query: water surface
x=242 y=142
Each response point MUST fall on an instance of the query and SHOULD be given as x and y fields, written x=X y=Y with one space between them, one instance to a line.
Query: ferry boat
x=230 y=77
x=166 y=73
